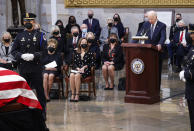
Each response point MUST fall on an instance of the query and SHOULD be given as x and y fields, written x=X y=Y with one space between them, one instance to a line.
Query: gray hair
x=54 y=28
x=74 y=28
x=152 y=13
x=6 y=33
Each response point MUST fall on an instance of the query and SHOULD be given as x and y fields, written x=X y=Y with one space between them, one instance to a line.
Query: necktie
x=90 y=23
x=152 y=30
x=74 y=42
x=181 y=38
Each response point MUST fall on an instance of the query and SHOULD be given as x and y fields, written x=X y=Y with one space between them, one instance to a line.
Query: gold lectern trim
x=130 y=3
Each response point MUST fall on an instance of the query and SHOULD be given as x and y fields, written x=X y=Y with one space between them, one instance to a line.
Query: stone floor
x=108 y=112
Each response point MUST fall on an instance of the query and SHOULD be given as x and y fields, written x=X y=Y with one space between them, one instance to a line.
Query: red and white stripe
x=15 y=87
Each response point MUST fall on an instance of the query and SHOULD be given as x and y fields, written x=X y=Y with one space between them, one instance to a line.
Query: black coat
x=28 y=42
x=94 y=48
x=117 y=56
x=189 y=75
x=47 y=58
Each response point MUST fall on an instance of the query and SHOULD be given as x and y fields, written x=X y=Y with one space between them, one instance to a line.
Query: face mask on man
x=177 y=20
x=84 y=30
x=146 y=19
x=28 y=26
x=90 y=16
x=75 y=34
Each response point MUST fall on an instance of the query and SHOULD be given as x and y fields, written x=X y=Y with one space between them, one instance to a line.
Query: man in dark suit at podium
x=93 y=24
x=156 y=32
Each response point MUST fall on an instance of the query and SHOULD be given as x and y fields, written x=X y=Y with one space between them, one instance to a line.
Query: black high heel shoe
x=72 y=100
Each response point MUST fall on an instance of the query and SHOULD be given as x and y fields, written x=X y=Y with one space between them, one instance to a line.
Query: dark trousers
x=22 y=120
x=191 y=113
x=35 y=82
x=15 y=15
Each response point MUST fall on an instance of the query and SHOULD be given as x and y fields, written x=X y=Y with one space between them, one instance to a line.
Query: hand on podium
x=159 y=47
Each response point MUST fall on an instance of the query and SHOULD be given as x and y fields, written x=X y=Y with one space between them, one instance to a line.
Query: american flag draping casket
x=15 y=88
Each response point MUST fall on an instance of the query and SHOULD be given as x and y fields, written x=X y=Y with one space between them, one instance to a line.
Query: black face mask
x=90 y=16
x=56 y=33
x=181 y=28
x=116 y=19
x=75 y=34
x=90 y=40
x=51 y=49
x=60 y=26
x=28 y=26
x=72 y=21
x=110 y=24
x=84 y=46
x=6 y=40
x=177 y=20
x=112 y=40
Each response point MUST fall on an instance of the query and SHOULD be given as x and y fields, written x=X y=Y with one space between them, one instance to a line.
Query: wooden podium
x=142 y=73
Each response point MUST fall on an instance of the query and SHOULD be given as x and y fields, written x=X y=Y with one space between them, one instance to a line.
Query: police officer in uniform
x=187 y=75
x=27 y=50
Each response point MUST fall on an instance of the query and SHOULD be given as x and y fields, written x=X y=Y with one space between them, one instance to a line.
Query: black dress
x=48 y=58
x=115 y=55
x=88 y=60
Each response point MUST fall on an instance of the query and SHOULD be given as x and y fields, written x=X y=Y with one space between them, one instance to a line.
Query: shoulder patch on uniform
x=44 y=37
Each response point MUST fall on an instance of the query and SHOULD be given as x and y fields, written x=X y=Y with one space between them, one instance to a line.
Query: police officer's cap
x=191 y=28
x=29 y=16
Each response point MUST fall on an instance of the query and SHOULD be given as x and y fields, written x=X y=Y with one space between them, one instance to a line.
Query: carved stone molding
x=130 y=3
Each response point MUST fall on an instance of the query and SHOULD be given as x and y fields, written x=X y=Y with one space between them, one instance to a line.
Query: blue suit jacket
x=159 y=35
x=95 y=27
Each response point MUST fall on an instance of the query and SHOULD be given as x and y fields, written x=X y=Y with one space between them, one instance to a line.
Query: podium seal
x=137 y=66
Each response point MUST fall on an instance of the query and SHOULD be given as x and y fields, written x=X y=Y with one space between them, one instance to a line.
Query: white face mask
x=146 y=19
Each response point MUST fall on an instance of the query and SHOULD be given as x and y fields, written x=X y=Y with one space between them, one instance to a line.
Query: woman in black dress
x=119 y=25
x=49 y=72
x=83 y=61
x=112 y=59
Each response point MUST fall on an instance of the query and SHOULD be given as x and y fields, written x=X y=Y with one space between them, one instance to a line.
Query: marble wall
x=130 y=16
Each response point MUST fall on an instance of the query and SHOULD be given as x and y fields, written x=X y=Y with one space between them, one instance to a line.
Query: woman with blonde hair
x=6 y=59
x=50 y=72
x=83 y=62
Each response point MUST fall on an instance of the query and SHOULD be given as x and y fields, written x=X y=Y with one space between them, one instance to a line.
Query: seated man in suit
x=174 y=27
x=106 y=31
x=84 y=29
x=156 y=32
x=178 y=45
x=73 y=41
x=93 y=24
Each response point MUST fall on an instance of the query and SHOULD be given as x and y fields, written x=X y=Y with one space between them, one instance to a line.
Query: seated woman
x=6 y=59
x=83 y=62
x=93 y=47
x=113 y=59
x=51 y=70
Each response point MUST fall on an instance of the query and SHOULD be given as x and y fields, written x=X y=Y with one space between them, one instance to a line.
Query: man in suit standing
x=141 y=24
x=93 y=24
x=156 y=32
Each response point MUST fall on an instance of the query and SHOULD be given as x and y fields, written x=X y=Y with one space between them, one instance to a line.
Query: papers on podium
x=51 y=65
